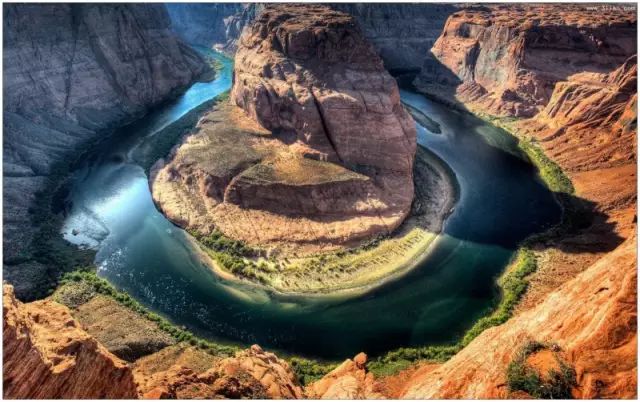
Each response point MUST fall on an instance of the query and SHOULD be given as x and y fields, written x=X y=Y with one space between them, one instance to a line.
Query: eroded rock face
x=598 y=338
x=315 y=149
x=252 y=373
x=69 y=72
x=505 y=60
x=308 y=75
x=350 y=380
x=402 y=33
x=47 y=355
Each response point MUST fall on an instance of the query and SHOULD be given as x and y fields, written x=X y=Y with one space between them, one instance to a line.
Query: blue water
x=501 y=202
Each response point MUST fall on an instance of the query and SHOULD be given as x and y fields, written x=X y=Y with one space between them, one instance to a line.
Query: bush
x=521 y=377
x=308 y=371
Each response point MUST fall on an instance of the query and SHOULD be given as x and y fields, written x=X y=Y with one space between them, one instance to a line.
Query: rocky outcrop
x=47 y=355
x=252 y=373
x=350 y=380
x=71 y=71
x=598 y=338
x=330 y=159
x=401 y=33
x=505 y=60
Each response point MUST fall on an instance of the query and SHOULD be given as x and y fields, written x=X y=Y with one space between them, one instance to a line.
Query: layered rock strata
x=46 y=354
x=315 y=148
x=70 y=72
x=505 y=60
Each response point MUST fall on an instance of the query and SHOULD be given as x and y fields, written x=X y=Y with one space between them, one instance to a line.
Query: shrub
x=556 y=385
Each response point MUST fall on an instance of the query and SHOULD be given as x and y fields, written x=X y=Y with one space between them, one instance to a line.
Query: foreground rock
x=71 y=71
x=592 y=318
x=330 y=160
x=350 y=380
x=505 y=60
x=252 y=373
x=47 y=355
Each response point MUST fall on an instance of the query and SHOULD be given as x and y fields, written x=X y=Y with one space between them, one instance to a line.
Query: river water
x=501 y=202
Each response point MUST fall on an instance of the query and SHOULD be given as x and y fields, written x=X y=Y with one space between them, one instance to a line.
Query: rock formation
x=47 y=355
x=401 y=33
x=592 y=318
x=252 y=373
x=330 y=159
x=505 y=60
x=70 y=71
x=350 y=380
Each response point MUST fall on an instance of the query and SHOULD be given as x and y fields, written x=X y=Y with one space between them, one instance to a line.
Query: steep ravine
x=70 y=73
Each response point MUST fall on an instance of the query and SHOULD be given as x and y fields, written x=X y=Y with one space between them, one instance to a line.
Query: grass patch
x=79 y=286
x=549 y=171
x=556 y=384
x=159 y=145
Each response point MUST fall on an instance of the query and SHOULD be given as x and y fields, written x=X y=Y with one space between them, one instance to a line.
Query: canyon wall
x=505 y=60
x=401 y=33
x=46 y=354
x=325 y=156
x=70 y=72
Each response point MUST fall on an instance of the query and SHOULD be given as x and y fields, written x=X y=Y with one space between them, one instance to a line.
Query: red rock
x=46 y=354
x=505 y=60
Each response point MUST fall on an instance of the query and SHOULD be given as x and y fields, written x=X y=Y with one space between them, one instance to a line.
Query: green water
x=501 y=202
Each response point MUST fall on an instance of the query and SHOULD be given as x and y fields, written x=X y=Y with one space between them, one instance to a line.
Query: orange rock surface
x=252 y=373
x=47 y=355
x=505 y=60
x=592 y=318
x=330 y=162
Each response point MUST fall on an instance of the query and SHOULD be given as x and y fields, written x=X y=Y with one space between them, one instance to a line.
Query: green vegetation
x=309 y=371
x=159 y=145
x=549 y=171
x=79 y=286
x=556 y=384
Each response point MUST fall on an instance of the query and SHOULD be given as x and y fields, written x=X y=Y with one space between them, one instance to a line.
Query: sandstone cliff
x=325 y=155
x=47 y=355
x=402 y=33
x=71 y=71
x=505 y=60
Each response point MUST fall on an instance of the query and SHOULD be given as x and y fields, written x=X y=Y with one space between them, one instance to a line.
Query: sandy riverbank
x=355 y=271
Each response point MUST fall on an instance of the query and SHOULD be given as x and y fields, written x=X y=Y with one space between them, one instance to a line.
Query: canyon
x=561 y=78
x=68 y=79
x=401 y=33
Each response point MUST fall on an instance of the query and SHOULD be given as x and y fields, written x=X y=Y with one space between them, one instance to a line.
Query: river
x=501 y=202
